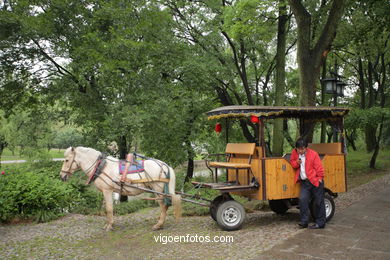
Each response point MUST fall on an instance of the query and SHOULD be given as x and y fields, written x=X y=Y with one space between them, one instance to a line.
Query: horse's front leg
x=109 y=209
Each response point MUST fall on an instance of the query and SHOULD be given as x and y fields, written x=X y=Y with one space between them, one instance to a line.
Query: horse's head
x=70 y=164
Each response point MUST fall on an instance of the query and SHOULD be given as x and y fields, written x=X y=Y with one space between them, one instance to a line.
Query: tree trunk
x=382 y=103
x=122 y=155
x=190 y=169
x=187 y=141
x=190 y=158
x=310 y=55
x=122 y=145
x=287 y=135
x=323 y=124
x=351 y=139
x=3 y=144
x=377 y=146
x=277 y=146
x=370 y=131
x=362 y=86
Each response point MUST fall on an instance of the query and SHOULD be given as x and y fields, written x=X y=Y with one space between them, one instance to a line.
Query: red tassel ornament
x=218 y=128
x=255 y=119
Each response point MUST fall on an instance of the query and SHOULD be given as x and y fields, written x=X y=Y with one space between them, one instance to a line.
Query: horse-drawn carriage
x=253 y=174
x=250 y=171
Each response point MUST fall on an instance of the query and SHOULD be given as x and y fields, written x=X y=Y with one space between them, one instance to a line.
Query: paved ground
x=362 y=231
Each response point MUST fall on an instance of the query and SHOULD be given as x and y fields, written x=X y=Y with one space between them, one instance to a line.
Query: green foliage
x=360 y=118
x=34 y=191
x=142 y=73
x=134 y=205
x=378 y=117
x=88 y=199
x=42 y=216
x=244 y=21
x=66 y=137
x=26 y=129
x=27 y=193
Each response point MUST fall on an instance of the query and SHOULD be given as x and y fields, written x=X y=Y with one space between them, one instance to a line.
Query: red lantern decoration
x=255 y=119
x=218 y=128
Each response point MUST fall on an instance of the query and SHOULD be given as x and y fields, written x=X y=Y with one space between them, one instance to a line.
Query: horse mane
x=87 y=150
x=80 y=149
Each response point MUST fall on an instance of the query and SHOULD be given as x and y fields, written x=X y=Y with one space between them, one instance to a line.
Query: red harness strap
x=97 y=170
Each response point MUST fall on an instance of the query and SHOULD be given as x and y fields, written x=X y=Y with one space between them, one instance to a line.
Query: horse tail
x=176 y=199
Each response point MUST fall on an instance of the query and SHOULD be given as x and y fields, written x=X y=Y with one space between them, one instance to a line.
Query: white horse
x=108 y=181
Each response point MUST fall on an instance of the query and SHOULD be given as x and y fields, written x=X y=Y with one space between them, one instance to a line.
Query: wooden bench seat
x=229 y=165
x=242 y=150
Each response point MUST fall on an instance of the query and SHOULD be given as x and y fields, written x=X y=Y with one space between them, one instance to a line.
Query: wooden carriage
x=254 y=174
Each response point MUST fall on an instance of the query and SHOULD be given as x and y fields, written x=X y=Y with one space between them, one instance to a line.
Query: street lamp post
x=335 y=87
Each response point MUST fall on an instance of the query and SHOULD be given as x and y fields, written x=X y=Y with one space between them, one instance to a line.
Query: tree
x=280 y=77
x=238 y=38
x=315 y=36
x=363 y=47
x=119 y=60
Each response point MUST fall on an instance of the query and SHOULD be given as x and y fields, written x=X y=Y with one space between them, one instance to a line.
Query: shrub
x=27 y=194
x=35 y=191
x=89 y=200
x=131 y=206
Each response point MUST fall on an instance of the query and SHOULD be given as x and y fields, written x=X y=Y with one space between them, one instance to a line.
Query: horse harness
x=100 y=163
x=147 y=179
x=70 y=166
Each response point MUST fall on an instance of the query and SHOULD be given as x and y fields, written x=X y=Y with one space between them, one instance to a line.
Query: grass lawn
x=9 y=156
x=359 y=173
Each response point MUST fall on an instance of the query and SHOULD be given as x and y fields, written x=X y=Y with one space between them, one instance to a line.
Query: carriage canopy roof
x=314 y=113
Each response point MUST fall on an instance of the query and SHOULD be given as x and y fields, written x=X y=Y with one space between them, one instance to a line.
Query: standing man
x=310 y=173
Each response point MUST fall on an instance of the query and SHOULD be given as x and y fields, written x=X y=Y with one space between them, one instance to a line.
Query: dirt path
x=83 y=237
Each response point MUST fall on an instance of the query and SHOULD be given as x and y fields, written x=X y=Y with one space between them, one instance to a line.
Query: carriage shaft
x=163 y=194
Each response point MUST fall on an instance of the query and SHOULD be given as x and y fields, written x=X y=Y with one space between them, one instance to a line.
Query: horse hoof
x=156 y=227
x=108 y=228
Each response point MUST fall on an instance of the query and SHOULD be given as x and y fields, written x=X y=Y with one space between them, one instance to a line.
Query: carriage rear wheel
x=230 y=215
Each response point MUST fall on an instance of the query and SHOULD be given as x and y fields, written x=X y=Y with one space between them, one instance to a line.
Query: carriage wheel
x=230 y=215
x=278 y=206
x=330 y=207
x=215 y=204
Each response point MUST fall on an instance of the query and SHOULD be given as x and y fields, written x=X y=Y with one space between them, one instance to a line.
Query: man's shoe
x=315 y=226
x=300 y=225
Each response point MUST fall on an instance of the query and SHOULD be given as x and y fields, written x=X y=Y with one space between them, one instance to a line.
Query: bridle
x=73 y=161
x=70 y=166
